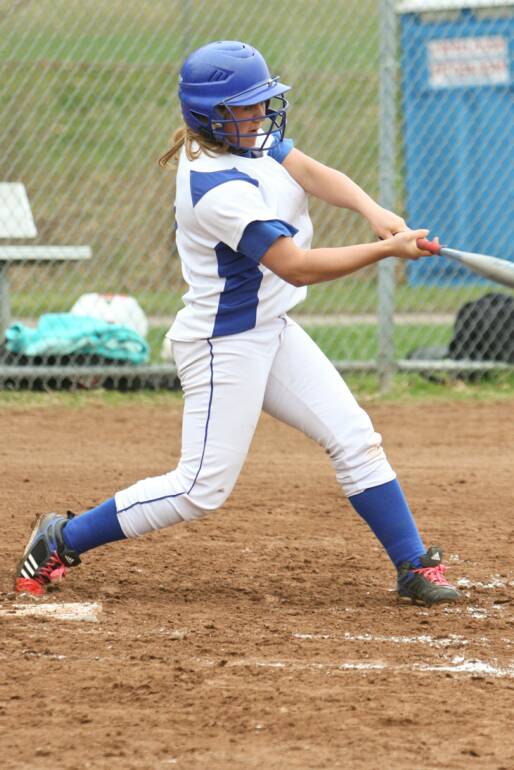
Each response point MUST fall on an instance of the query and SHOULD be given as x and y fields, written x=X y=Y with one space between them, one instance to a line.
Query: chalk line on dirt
x=495 y=581
x=452 y=640
x=78 y=611
x=456 y=665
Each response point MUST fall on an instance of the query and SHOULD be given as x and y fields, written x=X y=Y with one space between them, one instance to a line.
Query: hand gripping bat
x=499 y=270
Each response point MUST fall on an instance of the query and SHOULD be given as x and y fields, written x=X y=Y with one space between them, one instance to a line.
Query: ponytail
x=194 y=144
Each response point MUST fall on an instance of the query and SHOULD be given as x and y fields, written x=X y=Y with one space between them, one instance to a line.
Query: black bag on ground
x=484 y=330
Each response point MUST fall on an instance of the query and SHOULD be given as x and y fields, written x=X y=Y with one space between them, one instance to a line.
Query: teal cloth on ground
x=62 y=334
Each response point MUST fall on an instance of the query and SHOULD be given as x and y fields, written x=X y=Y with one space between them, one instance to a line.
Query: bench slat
x=43 y=253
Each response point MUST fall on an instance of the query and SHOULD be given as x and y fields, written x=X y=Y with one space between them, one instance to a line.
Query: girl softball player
x=244 y=235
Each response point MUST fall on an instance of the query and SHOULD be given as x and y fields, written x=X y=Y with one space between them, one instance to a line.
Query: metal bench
x=16 y=221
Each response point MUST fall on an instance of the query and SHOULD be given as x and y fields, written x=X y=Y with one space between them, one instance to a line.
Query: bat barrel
x=499 y=270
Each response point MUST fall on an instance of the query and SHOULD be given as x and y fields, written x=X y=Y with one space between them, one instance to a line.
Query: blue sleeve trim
x=281 y=150
x=203 y=181
x=258 y=236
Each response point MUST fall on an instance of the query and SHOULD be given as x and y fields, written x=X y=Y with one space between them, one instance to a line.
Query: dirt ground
x=267 y=635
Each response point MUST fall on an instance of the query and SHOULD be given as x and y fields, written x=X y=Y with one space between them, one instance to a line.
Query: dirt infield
x=268 y=635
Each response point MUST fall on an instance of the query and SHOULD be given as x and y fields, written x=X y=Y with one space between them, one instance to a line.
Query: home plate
x=87 y=611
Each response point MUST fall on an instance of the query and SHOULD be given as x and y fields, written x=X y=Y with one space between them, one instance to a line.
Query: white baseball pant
x=227 y=382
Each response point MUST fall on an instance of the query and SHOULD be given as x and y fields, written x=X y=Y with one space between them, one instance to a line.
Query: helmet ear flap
x=202 y=119
x=202 y=124
x=219 y=114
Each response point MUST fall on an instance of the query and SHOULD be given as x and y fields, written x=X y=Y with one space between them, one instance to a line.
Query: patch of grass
x=354 y=294
x=76 y=399
x=155 y=338
x=414 y=386
x=357 y=342
x=366 y=387
x=348 y=295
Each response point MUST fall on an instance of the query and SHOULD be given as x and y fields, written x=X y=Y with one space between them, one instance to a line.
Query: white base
x=88 y=611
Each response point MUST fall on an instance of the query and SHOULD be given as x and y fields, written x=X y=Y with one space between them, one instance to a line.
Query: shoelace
x=53 y=570
x=434 y=574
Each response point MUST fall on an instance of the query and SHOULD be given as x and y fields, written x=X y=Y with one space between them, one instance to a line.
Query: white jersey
x=229 y=210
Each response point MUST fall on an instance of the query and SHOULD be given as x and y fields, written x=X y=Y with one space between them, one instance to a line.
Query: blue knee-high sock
x=96 y=527
x=387 y=513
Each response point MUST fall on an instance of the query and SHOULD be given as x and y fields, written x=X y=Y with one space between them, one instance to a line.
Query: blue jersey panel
x=237 y=308
x=203 y=181
x=259 y=236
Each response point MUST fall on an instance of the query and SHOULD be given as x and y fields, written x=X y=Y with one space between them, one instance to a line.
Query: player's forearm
x=303 y=268
x=325 y=264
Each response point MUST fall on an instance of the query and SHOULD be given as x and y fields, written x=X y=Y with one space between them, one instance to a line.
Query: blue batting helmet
x=227 y=74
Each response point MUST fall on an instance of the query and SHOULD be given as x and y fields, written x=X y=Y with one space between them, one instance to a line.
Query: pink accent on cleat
x=58 y=574
x=434 y=574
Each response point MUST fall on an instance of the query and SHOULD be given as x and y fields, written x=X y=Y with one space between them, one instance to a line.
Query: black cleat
x=46 y=558
x=426 y=584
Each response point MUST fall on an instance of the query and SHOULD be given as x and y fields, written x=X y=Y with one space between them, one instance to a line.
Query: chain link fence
x=412 y=100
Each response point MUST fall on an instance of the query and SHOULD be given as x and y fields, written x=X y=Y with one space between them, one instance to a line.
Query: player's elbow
x=296 y=279
x=293 y=276
x=299 y=274
x=292 y=269
x=287 y=261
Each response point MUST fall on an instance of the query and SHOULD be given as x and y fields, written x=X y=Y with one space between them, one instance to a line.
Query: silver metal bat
x=499 y=270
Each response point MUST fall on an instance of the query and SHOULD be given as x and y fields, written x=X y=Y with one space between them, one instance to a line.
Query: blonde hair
x=186 y=137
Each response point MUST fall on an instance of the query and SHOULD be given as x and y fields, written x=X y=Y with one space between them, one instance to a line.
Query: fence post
x=387 y=193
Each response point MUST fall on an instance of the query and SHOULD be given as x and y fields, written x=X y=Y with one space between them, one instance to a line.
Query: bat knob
x=426 y=245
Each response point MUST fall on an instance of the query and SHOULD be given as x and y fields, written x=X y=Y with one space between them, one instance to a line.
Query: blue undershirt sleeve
x=281 y=150
x=258 y=236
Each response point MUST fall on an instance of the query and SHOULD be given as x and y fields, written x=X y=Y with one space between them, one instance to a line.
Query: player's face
x=251 y=117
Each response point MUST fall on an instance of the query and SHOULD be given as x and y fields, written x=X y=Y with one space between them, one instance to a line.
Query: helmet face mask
x=273 y=122
x=227 y=74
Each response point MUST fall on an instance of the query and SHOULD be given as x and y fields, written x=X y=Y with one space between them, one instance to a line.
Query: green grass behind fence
x=347 y=295
x=356 y=342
